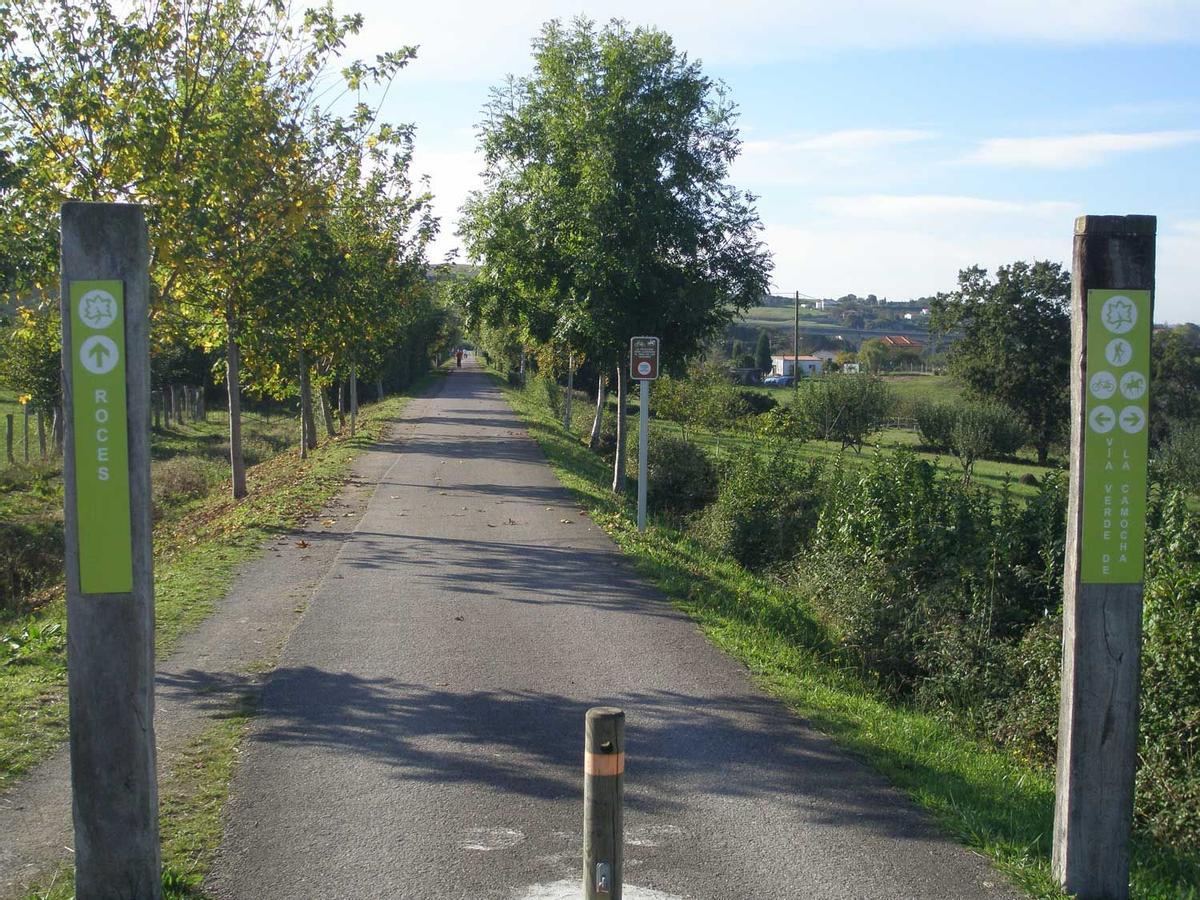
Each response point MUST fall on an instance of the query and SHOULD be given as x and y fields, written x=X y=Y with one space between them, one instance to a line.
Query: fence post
x=8 y=438
x=1112 y=315
x=25 y=409
x=110 y=589
x=603 y=795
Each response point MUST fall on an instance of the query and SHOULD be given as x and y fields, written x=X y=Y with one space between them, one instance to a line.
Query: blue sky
x=890 y=144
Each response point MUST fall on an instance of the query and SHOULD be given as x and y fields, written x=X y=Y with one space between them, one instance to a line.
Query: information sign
x=643 y=358
x=101 y=437
x=1116 y=440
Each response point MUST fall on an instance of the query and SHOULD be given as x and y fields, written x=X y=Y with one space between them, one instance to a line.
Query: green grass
x=982 y=796
x=191 y=798
x=196 y=554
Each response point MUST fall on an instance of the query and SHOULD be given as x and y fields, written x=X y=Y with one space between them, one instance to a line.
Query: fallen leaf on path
x=328 y=522
x=301 y=544
x=566 y=522
x=458 y=618
x=490 y=525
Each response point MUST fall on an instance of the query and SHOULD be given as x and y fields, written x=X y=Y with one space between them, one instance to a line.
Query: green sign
x=101 y=437
x=1116 y=437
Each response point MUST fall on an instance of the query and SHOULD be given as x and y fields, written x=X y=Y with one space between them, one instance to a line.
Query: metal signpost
x=1112 y=312
x=110 y=589
x=643 y=365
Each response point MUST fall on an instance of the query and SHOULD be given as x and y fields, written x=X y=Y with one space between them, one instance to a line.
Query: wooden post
x=41 y=429
x=603 y=798
x=353 y=397
x=110 y=588
x=1102 y=604
x=8 y=438
x=25 y=409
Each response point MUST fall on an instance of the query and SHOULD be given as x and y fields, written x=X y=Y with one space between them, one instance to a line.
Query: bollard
x=603 y=790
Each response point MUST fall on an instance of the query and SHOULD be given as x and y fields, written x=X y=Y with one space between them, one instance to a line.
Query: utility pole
x=796 y=348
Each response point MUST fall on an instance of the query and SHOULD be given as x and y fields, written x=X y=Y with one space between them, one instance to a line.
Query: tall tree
x=606 y=211
x=762 y=351
x=1015 y=341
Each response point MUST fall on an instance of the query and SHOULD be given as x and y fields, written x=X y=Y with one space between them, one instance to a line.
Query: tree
x=1175 y=380
x=872 y=355
x=1015 y=342
x=606 y=212
x=844 y=408
x=762 y=352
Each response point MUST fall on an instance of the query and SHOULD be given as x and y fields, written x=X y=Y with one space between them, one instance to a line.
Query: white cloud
x=1075 y=151
x=467 y=40
x=951 y=209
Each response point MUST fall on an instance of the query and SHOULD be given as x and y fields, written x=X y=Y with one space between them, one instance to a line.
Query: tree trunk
x=341 y=403
x=233 y=386
x=308 y=426
x=155 y=408
x=353 y=397
x=379 y=389
x=1043 y=452
x=570 y=391
x=56 y=427
x=594 y=439
x=618 y=484
x=326 y=412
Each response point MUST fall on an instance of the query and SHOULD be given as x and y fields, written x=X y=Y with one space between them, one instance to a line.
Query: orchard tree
x=606 y=211
x=1015 y=342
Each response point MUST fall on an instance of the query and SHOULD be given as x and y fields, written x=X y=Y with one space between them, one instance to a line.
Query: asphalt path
x=422 y=736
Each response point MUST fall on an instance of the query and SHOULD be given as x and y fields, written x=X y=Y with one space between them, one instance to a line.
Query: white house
x=797 y=365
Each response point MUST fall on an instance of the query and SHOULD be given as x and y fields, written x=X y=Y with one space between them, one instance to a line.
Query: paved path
x=422 y=736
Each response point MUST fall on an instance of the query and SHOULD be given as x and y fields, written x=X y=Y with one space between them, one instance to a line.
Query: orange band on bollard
x=603 y=764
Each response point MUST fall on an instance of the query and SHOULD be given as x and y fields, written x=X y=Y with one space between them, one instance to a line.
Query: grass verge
x=195 y=557
x=985 y=798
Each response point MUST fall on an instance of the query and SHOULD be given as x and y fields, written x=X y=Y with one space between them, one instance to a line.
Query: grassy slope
x=985 y=798
x=196 y=553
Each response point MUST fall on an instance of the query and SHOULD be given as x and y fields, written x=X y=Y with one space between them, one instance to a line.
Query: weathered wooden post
x=25 y=412
x=603 y=797
x=110 y=589
x=570 y=390
x=1112 y=313
x=8 y=438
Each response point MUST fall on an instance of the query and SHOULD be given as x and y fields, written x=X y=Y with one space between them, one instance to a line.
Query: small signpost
x=643 y=365
x=110 y=588
x=1112 y=312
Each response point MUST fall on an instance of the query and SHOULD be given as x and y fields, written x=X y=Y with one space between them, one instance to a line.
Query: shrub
x=180 y=479
x=681 y=478
x=935 y=422
x=1177 y=461
x=984 y=431
x=845 y=408
x=765 y=508
x=757 y=403
x=31 y=553
x=1168 y=792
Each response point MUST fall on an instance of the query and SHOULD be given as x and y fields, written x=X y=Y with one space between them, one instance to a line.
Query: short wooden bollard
x=8 y=441
x=603 y=797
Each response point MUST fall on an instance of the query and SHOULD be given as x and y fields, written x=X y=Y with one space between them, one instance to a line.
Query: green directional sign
x=1116 y=436
x=101 y=436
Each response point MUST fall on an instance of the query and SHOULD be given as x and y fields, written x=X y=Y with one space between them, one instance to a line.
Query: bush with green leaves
x=766 y=507
x=845 y=408
x=984 y=431
x=935 y=423
x=1177 y=459
x=1168 y=785
x=757 y=403
x=917 y=569
x=680 y=477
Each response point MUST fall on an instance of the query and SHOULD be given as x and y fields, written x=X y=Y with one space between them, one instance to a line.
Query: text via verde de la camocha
x=1116 y=437
x=101 y=437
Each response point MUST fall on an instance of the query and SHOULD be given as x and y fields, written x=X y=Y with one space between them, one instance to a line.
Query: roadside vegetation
x=915 y=616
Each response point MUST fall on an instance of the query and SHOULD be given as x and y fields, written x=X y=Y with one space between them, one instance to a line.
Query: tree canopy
x=606 y=210
x=1015 y=341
